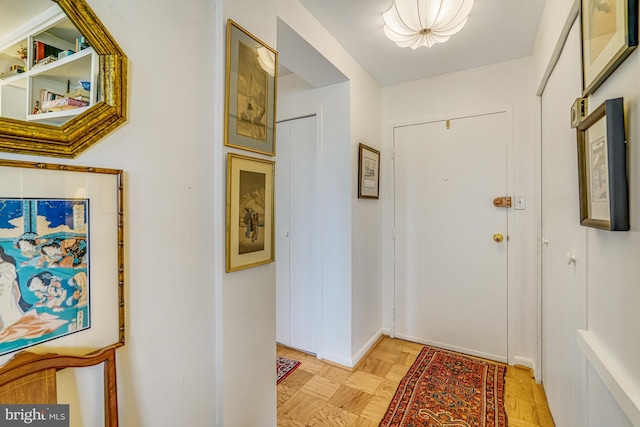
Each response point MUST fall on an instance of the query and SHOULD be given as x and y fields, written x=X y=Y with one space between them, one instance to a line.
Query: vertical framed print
x=602 y=167
x=61 y=257
x=368 y=173
x=250 y=103
x=250 y=212
x=609 y=35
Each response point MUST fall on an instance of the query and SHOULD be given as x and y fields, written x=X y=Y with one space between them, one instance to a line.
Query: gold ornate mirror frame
x=86 y=129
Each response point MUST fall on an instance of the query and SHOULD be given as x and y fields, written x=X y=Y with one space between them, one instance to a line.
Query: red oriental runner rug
x=285 y=366
x=448 y=389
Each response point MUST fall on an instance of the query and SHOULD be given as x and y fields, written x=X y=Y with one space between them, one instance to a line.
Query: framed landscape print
x=368 y=173
x=609 y=35
x=602 y=167
x=250 y=212
x=61 y=260
x=250 y=103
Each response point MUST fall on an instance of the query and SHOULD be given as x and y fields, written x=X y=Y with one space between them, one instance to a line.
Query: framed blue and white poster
x=61 y=263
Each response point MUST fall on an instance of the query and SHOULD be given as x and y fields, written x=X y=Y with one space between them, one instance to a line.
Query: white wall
x=366 y=217
x=355 y=253
x=295 y=99
x=505 y=85
x=166 y=370
x=613 y=321
x=248 y=296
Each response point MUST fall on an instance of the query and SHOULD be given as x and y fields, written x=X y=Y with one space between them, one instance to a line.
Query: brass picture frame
x=91 y=126
x=609 y=35
x=250 y=212
x=62 y=240
x=602 y=168
x=368 y=173
x=250 y=97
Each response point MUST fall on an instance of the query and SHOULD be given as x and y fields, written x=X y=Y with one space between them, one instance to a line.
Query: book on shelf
x=81 y=44
x=44 y=61
x=79 y=94
x=11 y=73
x=42 y=51
x=47 y=95
x=63 y=104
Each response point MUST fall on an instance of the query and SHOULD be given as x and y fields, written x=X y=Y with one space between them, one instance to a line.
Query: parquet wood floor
x=320 y=394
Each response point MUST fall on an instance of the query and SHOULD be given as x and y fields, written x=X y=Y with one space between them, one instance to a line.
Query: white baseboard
x=350 y=363
x=524 y=361
x=360 y=354
x=343 y=361
x=454 y=348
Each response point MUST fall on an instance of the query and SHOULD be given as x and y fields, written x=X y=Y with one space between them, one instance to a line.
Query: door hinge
x=393 y=314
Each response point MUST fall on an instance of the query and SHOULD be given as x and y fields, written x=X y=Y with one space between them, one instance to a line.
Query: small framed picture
x=602 y=167
x=368 y=173
x=250 y=212
x=609 y=35
x=250 y=103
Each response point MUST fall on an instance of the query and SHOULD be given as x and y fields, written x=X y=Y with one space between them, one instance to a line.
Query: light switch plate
x=520 y=202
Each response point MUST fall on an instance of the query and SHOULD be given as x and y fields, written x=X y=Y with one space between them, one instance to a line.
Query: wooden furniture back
x=30 y=378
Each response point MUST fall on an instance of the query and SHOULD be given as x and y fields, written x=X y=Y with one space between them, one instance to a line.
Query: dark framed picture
x=250 y=212
x=368 y=173
x=61 y=257
x=602 y=168
x=250 y=103
x=609 y=35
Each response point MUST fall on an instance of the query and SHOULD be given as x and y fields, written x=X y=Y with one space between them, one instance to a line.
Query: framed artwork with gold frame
x=61 y=257
x=250 y=212
x=250 y=98
x=609 y=35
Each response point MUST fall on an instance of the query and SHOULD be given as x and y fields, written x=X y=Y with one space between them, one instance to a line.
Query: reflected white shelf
x=56 y=117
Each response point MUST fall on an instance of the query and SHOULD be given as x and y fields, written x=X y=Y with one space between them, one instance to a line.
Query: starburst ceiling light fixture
x=415 y=23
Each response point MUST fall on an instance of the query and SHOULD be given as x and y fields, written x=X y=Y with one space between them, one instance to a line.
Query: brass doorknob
x=498 y=237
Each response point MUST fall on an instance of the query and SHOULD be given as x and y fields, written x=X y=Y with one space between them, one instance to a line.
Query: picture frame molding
x=363 y=192
x=231 y=138
x=613 y=56
x=612 y=111
x=119 y=267
x=233 y=257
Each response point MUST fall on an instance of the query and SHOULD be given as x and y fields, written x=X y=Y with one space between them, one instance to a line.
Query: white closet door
x=564 y=367
x=297 y=218
x=450 y=274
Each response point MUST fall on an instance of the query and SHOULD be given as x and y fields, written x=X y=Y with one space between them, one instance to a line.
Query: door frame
x=511 y=236
x=317 y=229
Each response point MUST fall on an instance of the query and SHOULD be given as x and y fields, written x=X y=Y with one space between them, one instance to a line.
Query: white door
x=297 y=216
x=564 y=300
x=450 y=273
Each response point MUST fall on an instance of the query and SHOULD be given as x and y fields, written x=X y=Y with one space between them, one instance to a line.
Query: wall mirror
x=63 y=79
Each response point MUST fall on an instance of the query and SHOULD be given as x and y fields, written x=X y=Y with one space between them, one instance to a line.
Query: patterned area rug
x=447 y=389
x=285 y=366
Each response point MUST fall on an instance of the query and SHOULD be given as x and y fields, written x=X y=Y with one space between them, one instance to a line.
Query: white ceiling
x=496 y=31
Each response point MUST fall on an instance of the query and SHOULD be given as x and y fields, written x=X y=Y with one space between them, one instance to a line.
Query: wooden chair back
x=30 y=378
